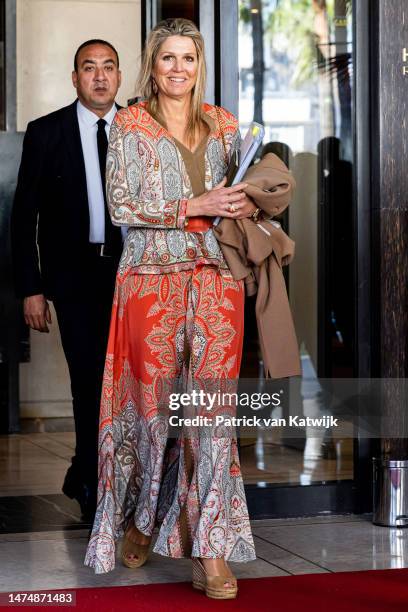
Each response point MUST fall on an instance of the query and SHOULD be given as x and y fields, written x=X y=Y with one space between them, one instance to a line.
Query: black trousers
x=84 y=327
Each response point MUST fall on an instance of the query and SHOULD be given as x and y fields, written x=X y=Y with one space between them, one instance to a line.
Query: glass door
x=296 y=78
x=294 y=73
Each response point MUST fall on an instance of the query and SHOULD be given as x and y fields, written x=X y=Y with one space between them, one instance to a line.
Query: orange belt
x=198 y=224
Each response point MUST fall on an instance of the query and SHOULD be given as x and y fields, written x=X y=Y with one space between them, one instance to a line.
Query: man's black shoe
x=84 y=496
x=87 y=502
x=72 y=483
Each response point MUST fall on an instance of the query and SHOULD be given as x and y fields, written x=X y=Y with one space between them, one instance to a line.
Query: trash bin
x=390 y=492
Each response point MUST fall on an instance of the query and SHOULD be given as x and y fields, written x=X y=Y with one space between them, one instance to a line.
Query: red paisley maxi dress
x=177 y=315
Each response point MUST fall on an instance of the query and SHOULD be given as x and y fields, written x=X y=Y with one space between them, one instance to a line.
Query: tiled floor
x=35 y=463
x=54 y=559
x=268 y=462
x=44 y=542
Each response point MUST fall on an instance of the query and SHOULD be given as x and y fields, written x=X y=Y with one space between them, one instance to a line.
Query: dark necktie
x=113 y=236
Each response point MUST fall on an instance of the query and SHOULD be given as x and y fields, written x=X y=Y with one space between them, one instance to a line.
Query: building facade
x=327 y=78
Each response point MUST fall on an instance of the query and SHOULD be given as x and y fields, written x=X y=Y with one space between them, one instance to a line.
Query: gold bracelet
x=255 y=215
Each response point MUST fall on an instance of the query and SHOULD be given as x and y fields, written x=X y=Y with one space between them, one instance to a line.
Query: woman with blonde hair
x=177 y=314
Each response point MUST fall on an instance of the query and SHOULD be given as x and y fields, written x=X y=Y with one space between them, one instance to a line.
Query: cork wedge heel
x=213 y=586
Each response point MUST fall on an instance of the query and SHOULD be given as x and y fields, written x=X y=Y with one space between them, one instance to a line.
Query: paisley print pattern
x=161 y=251
x=176 y=243
x=211 y=242
x=177 y=320
x=148 y=187
x=185 y=327
x=172 y=183
x=133 y=168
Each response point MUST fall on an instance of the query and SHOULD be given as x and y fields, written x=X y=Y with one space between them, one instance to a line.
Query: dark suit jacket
x=50 y=217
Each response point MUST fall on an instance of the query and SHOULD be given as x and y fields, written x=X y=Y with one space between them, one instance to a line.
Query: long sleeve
x=128 y=170
x=228 y=132
x=24 y=216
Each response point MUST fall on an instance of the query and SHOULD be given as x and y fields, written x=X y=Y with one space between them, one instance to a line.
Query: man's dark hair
x=94 y=41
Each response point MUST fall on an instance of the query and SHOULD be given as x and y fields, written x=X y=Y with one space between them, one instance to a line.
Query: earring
x=154 y=86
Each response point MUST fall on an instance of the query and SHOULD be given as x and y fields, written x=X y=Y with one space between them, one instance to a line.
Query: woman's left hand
x=244 y=208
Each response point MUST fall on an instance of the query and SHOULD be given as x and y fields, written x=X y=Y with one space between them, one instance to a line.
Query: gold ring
x=232 y=208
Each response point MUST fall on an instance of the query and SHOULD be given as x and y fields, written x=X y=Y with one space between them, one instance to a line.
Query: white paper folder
x=247 y=151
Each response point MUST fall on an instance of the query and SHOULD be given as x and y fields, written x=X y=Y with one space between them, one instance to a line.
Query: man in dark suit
x=65 y=248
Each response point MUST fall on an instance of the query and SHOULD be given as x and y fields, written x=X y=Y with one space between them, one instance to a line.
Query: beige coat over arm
x=256 y=253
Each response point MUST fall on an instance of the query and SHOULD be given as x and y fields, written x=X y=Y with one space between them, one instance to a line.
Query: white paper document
x=248 y=148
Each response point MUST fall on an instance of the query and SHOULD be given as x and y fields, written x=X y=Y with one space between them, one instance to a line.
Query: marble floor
x=25 y=460
x=54 y=559
x=44 y=541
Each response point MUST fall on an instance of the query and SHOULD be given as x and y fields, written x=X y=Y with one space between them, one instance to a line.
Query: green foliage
x=290 y=29
x=244 y=12
x=291 y=26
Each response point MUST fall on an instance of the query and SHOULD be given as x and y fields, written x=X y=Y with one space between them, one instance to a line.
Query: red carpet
x=371 y=591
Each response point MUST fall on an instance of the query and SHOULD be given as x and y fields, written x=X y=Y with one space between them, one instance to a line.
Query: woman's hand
x=222 y=201
x=245 y=209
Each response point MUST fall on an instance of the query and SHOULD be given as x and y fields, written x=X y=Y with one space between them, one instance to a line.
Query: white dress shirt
x=88 y=129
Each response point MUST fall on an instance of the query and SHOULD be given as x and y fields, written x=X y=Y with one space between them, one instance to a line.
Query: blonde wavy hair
x=157 y=36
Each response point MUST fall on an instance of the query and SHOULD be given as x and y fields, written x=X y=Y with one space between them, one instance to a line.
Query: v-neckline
x=198 y=148
x=175 y=140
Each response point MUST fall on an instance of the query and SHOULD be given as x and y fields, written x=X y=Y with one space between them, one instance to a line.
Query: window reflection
x=296 y=70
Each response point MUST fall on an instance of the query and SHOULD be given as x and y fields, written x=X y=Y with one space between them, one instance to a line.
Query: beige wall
x=48 y=33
